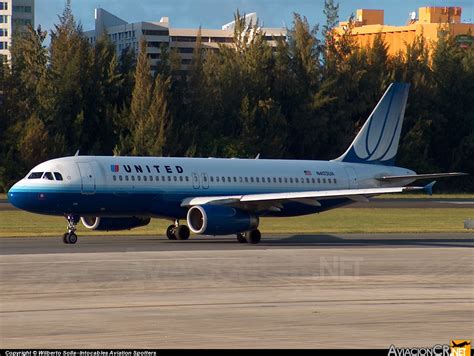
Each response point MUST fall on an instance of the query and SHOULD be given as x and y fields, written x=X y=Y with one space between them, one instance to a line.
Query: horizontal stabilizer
x=422 y=176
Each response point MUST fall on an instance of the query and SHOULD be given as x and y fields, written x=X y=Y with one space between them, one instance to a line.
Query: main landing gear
x=177 y=232
x=251 y=237
x=70 y=236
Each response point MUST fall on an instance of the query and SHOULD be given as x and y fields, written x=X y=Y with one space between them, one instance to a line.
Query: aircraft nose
x=14 y=197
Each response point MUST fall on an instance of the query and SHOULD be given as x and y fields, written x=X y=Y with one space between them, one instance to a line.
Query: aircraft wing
x=421 y=176
x=272 y=201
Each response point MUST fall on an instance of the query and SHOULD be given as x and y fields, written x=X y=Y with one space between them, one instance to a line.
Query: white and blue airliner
x=219 y=196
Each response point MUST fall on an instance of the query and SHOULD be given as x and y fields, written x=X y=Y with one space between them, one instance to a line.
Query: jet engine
x=220 y=220
x=113 y=224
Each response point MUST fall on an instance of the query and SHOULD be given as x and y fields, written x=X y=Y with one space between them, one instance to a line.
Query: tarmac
x=290 y=291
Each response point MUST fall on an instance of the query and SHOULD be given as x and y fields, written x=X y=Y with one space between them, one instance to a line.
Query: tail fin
x=377 y=141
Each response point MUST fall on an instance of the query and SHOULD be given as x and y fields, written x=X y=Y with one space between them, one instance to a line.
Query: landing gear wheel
x=65 y=238
x=241 y=238
x=182 y=232
x=170 y=232
x=71 y=238
x=253 y=236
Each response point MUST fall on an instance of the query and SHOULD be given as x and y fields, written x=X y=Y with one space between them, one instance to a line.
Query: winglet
x=428 y=189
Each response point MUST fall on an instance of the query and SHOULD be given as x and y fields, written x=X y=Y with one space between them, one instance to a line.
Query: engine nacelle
x=113 y=224
x=220 y=220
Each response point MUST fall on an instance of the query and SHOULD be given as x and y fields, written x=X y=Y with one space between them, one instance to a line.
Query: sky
x=215 y=13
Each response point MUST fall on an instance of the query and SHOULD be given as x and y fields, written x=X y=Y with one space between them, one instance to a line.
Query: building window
x=3 y=19
x=3 y=5
x=155 y=32
x=3 y=45
x=3 y=32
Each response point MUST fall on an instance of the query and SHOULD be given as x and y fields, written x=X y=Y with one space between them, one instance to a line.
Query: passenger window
x=319 y=181
x=133 y=178
x=313 y=180
x=35 y=175
x=169 y=179
x=114 y=178
x=120 y=178
x=187 y=179
x=151 y=178
x=307 y=180
x=291 y=180
x=246 y=179
x=223 y=179
x=229 y=179
x=257 y=180
x=48 y=176
x=334 y=180
x=235 y=179
x=157 y=178
x=163 y=178
x=180 y=178
x=204 y=178
x=279 y=180
x=274 y=180
x=251 y=179
x=286 y=180
x=241 y=180
x=217 y=179
x=139 y=178
x=144 y=178
x=324 y=180
x=126 y=178
x=212 y=179
x=58 y=176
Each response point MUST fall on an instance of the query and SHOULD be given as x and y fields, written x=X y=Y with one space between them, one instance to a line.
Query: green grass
x=18 y=223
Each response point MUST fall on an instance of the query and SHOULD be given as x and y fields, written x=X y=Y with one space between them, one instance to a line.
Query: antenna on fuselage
x=77 y=153
x=258 y=156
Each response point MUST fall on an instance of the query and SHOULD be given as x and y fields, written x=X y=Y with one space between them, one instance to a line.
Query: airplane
x=220 y=196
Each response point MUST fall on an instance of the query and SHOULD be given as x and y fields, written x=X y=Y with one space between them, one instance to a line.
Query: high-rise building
x=369 y=23
x=14 y=15
x=159 y=34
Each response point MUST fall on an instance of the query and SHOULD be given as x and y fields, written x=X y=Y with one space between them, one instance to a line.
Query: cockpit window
x=35 y=175
x=48 y=176
x=58 y=176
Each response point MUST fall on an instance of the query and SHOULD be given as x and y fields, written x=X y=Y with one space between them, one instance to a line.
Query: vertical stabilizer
x=377 y=141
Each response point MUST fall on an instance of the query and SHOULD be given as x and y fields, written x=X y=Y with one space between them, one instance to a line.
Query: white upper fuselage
x=94 y=184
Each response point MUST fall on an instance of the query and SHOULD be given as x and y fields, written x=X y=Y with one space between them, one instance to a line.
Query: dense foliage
x=305 y=99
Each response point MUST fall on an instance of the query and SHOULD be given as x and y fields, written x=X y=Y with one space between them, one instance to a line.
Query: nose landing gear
x=70 y=236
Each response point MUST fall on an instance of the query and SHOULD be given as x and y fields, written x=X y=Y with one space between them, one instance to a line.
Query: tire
x=65 y=239
x=241 y=238
x=182 y=232
x=170 y=232
x=253 y=236
x=71 y=238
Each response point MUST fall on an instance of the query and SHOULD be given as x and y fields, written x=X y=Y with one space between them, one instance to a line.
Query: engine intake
x=220 y=220
x=113 y=224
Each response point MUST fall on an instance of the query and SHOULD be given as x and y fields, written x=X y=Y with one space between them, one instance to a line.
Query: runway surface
x=304 y=291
